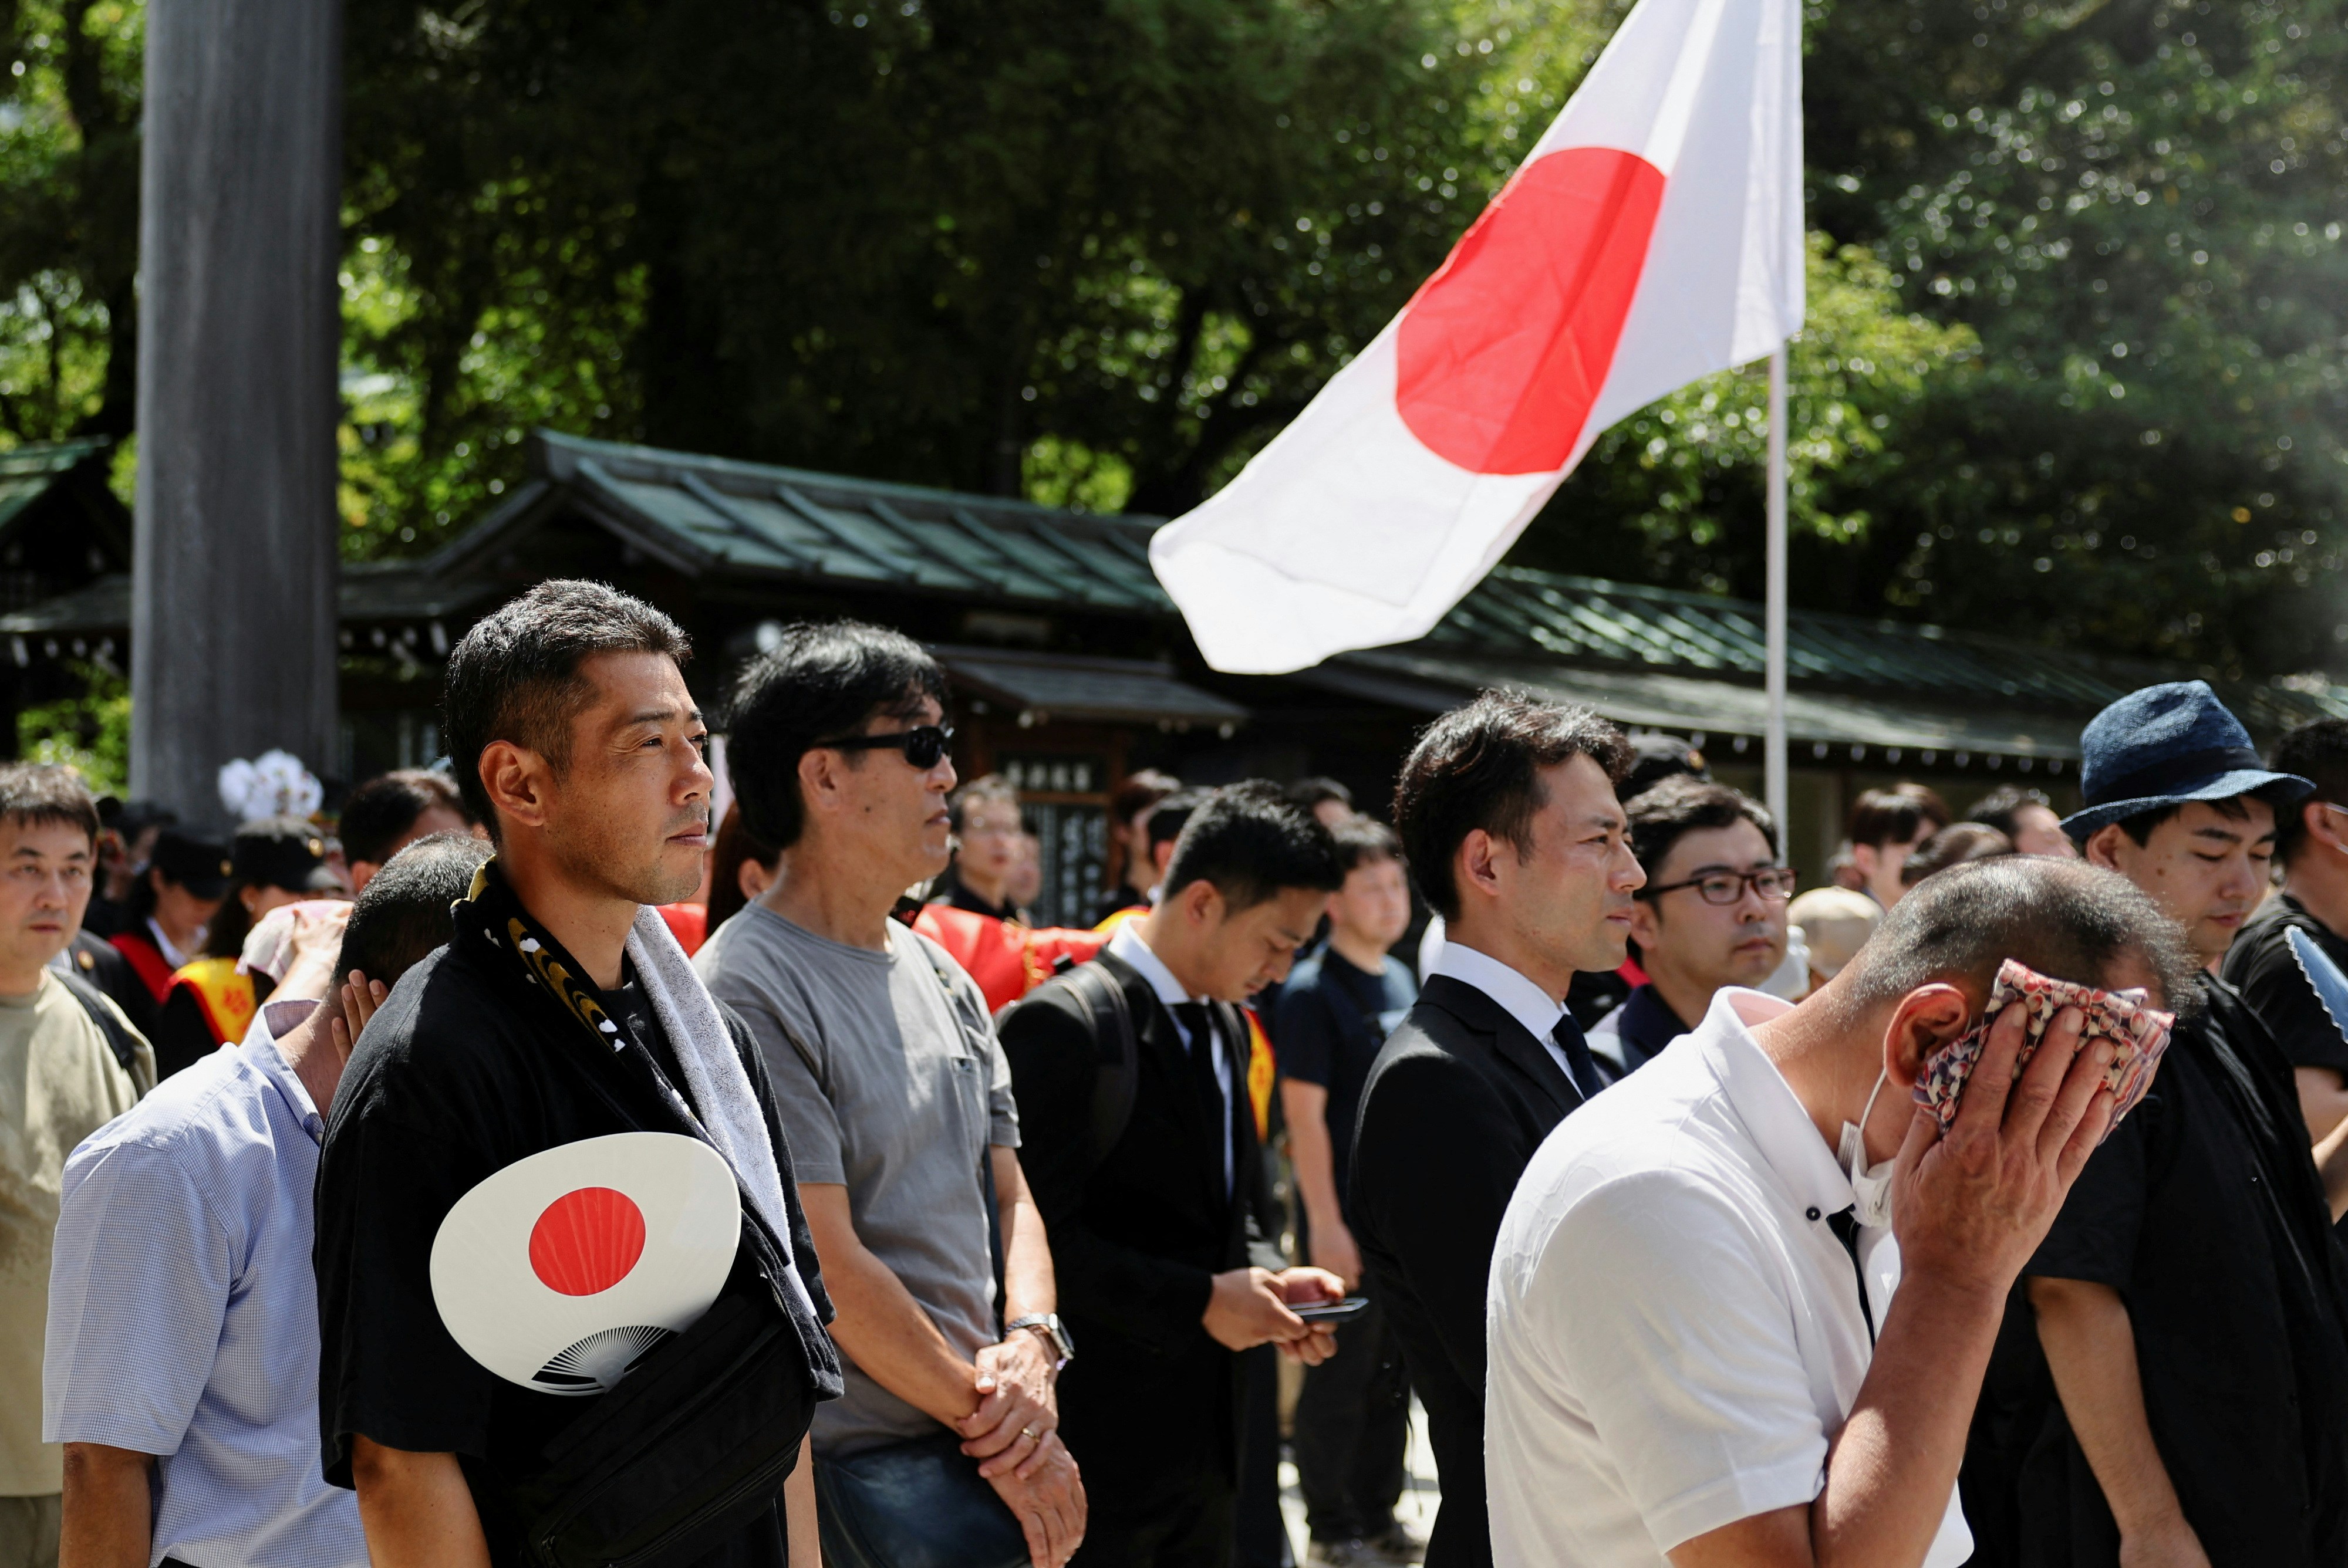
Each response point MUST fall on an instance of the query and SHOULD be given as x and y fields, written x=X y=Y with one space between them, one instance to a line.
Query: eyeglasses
x=924 y=746
x=1775 y=884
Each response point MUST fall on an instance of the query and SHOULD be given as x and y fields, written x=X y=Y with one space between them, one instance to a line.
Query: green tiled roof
x=706 y=515
x=27 y=472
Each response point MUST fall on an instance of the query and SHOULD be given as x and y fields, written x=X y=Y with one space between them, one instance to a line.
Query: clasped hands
x=1013 y=1434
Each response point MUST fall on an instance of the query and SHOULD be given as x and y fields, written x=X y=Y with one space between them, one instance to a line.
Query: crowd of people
x=532 y=1170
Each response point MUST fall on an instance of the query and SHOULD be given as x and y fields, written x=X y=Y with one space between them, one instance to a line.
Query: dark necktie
x=1196 y=1017
x=1844 y=1222
x=1583 y=1066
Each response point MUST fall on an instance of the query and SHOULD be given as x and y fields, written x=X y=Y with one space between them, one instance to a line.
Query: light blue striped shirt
x=183 y=1314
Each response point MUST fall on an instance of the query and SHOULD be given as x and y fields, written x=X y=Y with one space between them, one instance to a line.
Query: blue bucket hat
x=2163 y=746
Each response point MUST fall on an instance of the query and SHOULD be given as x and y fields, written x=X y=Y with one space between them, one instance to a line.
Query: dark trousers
x=1188 y=1522
x=1262 y=1540
x=1351 y=1422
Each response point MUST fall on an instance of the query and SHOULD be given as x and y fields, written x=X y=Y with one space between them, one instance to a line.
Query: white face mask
x=1871 y=1185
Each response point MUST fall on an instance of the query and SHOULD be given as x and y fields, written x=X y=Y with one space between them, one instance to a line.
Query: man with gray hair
x=1745 y=1388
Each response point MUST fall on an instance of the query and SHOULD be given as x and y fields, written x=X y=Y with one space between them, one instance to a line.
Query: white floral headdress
x=273 y=784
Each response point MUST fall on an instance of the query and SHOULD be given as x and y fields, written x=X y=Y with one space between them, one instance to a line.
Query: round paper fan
x=563 y=1269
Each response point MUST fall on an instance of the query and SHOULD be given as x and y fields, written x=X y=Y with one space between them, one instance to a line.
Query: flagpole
x=1773 y=742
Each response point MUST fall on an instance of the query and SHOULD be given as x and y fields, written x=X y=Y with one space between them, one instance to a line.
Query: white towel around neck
x=713 y=1078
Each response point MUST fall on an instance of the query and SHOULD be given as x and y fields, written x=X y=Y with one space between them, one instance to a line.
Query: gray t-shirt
x=894 y=1089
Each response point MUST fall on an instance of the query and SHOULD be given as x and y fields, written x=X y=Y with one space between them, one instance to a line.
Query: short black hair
x=2317 y=751
x=1309 y=793
x=1137 y=791
x=1959 y=844
x=515 y=676
x=1252 y=845
x=985 y=787
x=2065 y=919
x=1479 y=767
x=821 y=680
x=1664 y=814
x=1172 y=815
x=1365 y=841
x=1999 y=808
x=404 y=912
x=1882 y=816
x=382 y=811
x=2141 y=827
x=32 y=793
x=1653 y=759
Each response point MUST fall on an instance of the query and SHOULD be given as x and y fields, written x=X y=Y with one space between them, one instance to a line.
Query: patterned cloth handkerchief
x=2139 y=1034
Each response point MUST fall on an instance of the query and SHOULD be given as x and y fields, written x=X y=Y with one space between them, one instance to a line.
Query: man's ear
x=820 y=779
x=1200 y=904
x=1925 y=1019
x=519 y=782
x=2322 y=825
x=1864 y=859
x=1475 y=867
x=2103 y=847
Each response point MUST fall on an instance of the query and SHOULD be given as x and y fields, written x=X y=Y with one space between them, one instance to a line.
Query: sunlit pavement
x=1419 y=1494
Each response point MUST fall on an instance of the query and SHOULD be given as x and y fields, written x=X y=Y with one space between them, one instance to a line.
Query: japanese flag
x=1654 y=235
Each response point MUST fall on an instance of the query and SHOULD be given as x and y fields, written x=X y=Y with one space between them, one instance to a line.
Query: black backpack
x=1100 y=998
x=119 y=1037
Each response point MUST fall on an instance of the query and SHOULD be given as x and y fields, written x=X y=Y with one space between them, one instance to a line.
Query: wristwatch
x=1048 y=1325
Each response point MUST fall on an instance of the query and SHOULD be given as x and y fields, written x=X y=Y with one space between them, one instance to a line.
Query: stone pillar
x=233 y=617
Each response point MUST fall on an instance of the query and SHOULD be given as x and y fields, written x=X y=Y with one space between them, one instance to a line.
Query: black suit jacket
x=1151 y=1398
x=1457 y=1101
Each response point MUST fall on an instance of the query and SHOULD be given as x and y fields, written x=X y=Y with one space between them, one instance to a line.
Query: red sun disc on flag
x=587 y=1241
x=1504 y=352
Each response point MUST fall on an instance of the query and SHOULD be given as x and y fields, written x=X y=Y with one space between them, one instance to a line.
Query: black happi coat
x=473 y=1063
x=2204 y=1211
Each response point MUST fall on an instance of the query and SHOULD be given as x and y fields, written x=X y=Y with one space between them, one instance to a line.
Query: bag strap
x=118 y=1037
x=1119 y=1052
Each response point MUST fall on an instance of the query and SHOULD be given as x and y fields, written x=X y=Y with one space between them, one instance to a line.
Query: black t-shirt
x=466 y=1069
x=1332 y=1017
x=2261 y=966
x=2203 y=1210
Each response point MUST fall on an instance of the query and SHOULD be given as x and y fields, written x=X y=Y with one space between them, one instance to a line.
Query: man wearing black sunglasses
x=1712 y=915
x=896 y=1098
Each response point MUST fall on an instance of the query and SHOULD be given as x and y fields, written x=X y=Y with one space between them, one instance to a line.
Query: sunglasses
x=924 y=746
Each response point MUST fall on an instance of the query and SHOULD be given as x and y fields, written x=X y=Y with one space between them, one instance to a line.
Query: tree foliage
x=69 y=216
x=2073 y=368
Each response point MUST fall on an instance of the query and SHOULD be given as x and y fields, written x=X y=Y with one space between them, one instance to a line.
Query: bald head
x=2060 y=917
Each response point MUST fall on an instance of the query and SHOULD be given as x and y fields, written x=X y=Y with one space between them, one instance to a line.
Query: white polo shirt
x=1675 y=1332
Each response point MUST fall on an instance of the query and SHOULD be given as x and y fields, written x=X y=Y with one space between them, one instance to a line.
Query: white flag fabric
x=1654 y=235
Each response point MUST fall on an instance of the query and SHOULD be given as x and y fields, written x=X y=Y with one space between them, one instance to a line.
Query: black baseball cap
x=203 y=869
x=286 y=852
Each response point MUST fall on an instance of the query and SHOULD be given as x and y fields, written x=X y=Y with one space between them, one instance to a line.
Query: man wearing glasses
x=896 y=1097
x=1712 y=915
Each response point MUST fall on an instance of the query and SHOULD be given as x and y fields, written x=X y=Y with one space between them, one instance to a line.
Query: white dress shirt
x=1703 y=1381
x=1125 y=943
x=1519 y=996
x=171 y=955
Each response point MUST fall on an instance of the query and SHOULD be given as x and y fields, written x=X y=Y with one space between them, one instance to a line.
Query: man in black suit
x=1141 y=1151
x=1506 y=810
